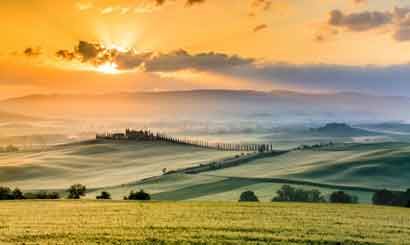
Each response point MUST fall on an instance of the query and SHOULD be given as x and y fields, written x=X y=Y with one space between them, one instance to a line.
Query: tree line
x=75 y=191
x=289 y=193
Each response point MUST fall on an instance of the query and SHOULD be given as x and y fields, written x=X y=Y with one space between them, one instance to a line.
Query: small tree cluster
x=392 y=198
x=42 y=195
x=76 y=191
x=290 y=194
x=342 y=197
x=8 y=194
x=248 y=196
x=140 y=195
x=104 y=195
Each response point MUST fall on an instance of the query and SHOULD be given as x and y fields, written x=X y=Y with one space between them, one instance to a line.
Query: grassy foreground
x=117 y=222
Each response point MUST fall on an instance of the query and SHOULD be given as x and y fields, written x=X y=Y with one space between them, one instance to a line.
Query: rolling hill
x=98 y=164
x=341 y=130
x=358 y=169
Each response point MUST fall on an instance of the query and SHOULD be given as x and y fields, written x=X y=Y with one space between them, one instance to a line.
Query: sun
x=108 y=68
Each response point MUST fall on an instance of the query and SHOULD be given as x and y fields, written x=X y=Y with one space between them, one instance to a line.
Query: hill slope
x=98 y=164
x=381 y=165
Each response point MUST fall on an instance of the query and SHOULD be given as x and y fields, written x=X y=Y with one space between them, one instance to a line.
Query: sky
x=108 y=46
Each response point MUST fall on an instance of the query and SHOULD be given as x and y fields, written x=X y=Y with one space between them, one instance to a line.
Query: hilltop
x=342 y=130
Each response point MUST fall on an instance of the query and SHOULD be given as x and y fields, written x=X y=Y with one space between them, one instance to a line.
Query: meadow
x=98 y=163
x=121 y=222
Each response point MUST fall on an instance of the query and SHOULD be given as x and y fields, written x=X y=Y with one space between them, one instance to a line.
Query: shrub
x=104 y=195
x=342 y=197
x=140 y=195
x=288 y=193
x=248 y=196
x=76 y=191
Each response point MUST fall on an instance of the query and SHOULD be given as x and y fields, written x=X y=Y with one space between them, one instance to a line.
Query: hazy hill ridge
x=287 y=104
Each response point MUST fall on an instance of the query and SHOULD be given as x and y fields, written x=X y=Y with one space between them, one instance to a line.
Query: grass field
x=98 y=164
x=92 y=222
x=183 y=187
x=378 y=165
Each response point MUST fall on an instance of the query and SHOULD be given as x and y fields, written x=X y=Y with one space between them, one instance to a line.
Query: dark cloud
x=182 y=60
x=362 y=21
x=130 y=60
x=260 y=27
x=398 y=20
x=87 y=52
x=262 y=4
x=96 y=54
x=32 y=52
x=192 y=2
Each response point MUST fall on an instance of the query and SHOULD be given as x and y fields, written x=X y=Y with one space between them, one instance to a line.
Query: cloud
x=83 y=6
x=262 y=4
x=398 y=21
x=192 y=2
x=362 y=21
x=260 y=27
x=182 y=60
x=32 y=52
x=96 y=54
x=369 y=78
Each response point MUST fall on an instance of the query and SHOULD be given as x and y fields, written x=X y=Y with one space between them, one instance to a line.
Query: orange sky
x=288 y=35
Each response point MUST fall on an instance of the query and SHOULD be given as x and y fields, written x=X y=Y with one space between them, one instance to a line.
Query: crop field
x=98 y=164
x=120 y=222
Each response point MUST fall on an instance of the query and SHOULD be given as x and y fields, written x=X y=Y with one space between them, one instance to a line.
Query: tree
x=5 y=193
x=288 y=193
x=383 y=197
x=76 y=191
x=140 y=195
x=342 y=197
x=248 y=196
x=17 y=194
x=104 y=195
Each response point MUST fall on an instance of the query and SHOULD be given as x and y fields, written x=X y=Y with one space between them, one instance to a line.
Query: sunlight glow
x=108 y=68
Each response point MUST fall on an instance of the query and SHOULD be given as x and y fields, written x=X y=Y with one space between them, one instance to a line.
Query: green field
x=378 y=165
x=98 y=164
x=116 y=222
x=183 y=187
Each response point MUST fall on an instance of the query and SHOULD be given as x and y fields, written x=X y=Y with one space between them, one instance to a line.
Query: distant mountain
x=341 y=130
x=275 y=106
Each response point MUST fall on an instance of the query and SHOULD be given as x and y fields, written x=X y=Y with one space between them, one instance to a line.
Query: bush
x=140 y=195
x=104 y=195
x=342 y=197
x=248 y=196
x=290 y=194
x=76 y=191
